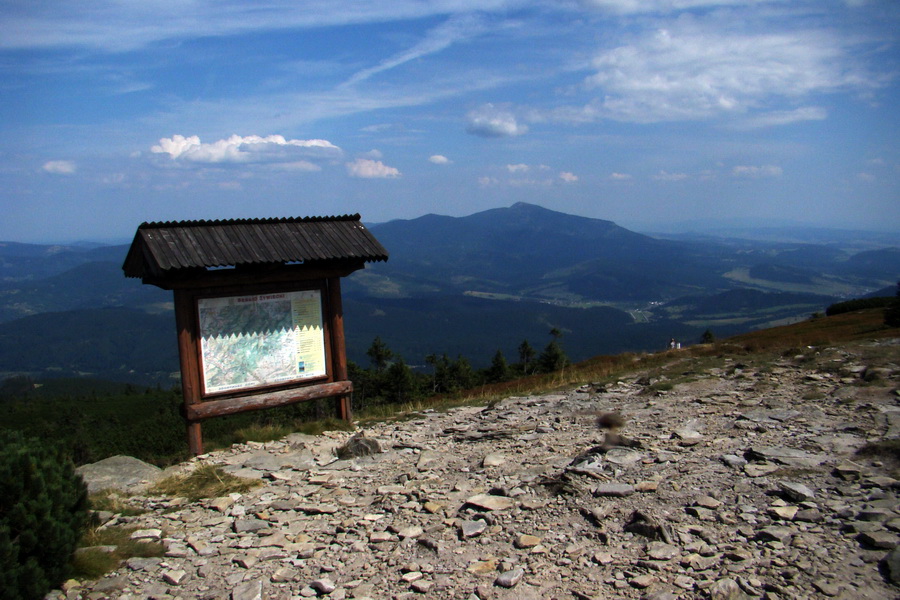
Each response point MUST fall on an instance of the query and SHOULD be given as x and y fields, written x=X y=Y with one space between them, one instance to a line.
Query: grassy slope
x=838 y=329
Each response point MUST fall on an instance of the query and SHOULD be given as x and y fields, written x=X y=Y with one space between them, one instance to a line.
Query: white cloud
x=491 y=121
x=454 y=29
x=666 y=176
x=371 y=169
x=756 y=171
x=620 y=176
x=244 y=149
x=519 y=168
x=529 y=182
x=568 y=177
x=59 y=167
x=300 y=165
x=113 y=179
x=488 y=181
x=694 y=73
x=114 y=25
x=867 y=177
x=439 y=159
x=379 y=127
x=785 y=117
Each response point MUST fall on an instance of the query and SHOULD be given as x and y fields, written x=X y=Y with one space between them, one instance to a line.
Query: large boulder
x=122 y=473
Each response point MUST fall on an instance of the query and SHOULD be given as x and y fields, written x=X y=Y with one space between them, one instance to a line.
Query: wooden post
x=338 y=346
x=190 y=369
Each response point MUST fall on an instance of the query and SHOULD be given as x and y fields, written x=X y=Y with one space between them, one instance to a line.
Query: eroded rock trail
x=741 y=481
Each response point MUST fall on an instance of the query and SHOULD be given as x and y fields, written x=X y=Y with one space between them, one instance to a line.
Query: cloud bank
x=371 y=169
x=59 y=167
x=756 y=172
x=697 y=73
x=493 y=122
x=245 y=149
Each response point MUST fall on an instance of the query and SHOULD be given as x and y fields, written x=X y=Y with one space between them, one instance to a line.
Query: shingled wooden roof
x=161 y=249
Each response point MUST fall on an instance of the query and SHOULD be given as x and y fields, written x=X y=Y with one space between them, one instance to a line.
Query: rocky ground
x=731 y=478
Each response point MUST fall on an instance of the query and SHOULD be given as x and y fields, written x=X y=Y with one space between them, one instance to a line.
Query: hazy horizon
x=779 y=230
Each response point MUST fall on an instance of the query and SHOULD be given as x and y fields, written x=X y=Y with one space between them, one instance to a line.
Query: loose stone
x=616 y=490
x=661 y=551
x=251 y=590
x=145 y=535
x=510 y=579
x=470 y=529
x=796 y=491
x=527 y=541
x=323 y=586
x=882 y=540
x=175 y=577
x=491 y=502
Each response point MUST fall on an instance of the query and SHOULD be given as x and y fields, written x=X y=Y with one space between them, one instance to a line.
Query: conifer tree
x=441 y=379
x=462 y=374
x=553 y=358
x=499 y=369
x=43 y=513
x=526 y=356
x=379 y=354
x=400 y=381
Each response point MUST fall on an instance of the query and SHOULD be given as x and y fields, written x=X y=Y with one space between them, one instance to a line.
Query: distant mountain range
x=468 y=285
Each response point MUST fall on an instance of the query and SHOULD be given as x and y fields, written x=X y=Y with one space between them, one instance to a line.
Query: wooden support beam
x=185 y=323
x=338 y=346
x=228 y=406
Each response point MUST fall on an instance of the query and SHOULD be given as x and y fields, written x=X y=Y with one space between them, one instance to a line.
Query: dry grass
x=854 y=326
x=206 y=481
x=104 y=548
x=114 y=502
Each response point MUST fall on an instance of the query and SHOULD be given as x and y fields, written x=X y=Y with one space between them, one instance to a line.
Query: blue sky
x=644 y=112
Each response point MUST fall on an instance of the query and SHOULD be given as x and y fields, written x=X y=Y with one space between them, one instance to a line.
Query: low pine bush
x=43 y=513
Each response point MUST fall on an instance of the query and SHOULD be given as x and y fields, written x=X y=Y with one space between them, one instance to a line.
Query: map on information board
x=262 y=339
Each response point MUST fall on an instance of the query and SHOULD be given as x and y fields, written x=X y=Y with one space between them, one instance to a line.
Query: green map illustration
x=254 y=341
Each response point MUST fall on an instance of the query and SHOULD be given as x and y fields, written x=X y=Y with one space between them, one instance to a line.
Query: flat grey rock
x=615 y=490
x=122 y=473
x=469 y=529
x=251 y=590
x=795 y=491
x=490 y=502
x=510 y=579
x=891 y=565
x=265 y=461
x=623 y=457
x=786 y=456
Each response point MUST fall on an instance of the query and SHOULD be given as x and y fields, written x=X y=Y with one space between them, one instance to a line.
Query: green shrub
x=43 y=512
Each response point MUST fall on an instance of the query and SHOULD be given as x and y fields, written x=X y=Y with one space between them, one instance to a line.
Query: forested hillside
x=466 y=286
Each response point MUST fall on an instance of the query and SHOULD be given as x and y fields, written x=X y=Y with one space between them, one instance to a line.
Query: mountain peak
x=527 y=206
